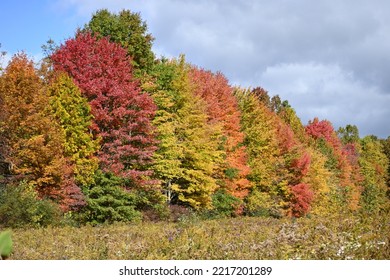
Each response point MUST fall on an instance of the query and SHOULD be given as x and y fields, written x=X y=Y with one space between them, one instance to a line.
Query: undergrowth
x=229 y=238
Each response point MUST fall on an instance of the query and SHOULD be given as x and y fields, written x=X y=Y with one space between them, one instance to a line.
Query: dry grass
x=191 y=238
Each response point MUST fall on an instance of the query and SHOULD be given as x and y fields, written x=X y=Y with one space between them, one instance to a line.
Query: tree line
x=105 y=131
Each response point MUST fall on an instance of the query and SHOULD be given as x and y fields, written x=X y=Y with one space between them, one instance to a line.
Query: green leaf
x=5 y=244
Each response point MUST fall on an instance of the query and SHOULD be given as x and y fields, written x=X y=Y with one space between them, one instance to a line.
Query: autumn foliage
x=32 y=140
x=222 y=109
x=105 y=130
x=73 y=113
x=122 y=113
x=341 y=161
x=301 y=200
x=188 y=156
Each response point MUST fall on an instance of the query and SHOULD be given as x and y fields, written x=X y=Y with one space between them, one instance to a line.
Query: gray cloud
x=330 y=59
x=328 y=92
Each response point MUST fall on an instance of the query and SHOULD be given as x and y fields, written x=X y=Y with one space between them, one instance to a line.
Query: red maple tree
x=301 y=200
x=347 y=166
x=122 y=112
x=222 y=107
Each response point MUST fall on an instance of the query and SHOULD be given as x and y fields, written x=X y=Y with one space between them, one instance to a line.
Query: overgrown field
x=192 y=238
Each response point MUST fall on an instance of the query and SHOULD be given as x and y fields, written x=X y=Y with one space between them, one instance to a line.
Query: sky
x=329 y=58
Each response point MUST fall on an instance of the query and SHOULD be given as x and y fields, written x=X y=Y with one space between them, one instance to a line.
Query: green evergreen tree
x=108 y=201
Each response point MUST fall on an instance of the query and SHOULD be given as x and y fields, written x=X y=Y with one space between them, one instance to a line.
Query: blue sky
x=27 y=25
x=329 y=58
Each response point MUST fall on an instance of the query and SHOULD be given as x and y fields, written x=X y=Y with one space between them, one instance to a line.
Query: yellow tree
x=73 y=113
x=374 y=165
x=258 y=125
x=222 y=108
x=188 y=154
x=33 y=137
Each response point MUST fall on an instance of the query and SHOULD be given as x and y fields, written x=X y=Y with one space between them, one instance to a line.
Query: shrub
x=224 y=205
x=108 y=201
x=20 y=206
x=180 y=213
x=259 y=204
x=152 y=204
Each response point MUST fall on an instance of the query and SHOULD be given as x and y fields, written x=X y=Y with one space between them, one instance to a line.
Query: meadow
x=103 y=133
x=336 y=238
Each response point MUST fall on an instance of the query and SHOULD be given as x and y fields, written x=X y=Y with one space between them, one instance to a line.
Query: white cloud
x=311 y=52
x=84 y=8
x=4 y=59
x=329 y=92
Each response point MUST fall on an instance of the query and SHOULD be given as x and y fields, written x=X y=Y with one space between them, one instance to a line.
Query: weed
x=228 y=238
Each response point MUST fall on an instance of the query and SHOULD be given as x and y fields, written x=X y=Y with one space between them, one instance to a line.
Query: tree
x=188 y=153
x=301 y=201
x=349 y=134
x=289 y=116
x=73 y=113
x=279 y=163
x=262 y=95
x=295 y=164
x=222 y=108
x=128 y=30
x=122 y=113
x=200 y=155
x=167 y=96
x=323 y=130
x=322 y=183
x=259 y=129
x=348 y=189
x=276 y=104
x=34 y=141
x=374 y=165
x=386 y=150
x=108 y=201
x=351 y=150
x=258 y=125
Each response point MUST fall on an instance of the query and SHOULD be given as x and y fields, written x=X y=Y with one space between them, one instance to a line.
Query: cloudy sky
x=329 y=59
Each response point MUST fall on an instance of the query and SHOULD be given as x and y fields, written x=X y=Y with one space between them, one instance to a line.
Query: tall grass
x=191 y=238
